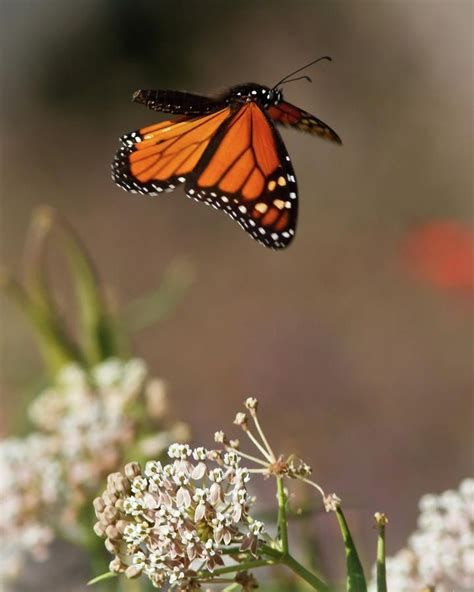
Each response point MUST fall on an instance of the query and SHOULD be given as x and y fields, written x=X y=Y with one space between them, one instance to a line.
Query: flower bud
x=99 y=505
x=133 y=571
x=110 y=514
x=117 y=566
x=111 y=546
x=132 y=470
x=380 y=519
x=112 y=532
x=109 y=498
x=252 y=404
x=241 y=420
x=99 y=529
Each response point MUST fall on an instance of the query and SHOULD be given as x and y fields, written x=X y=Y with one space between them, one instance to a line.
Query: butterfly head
x=252 y=92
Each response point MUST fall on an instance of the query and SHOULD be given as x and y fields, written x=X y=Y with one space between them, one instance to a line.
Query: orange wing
x=159 y=157
x=287 y=114
x=247 y=173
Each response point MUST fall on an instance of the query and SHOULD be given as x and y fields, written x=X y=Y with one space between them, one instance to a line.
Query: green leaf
x=34 y=276
x=54 y=343
x=99 y=337
x=158 y=304
x=98 y=334
x=105 y=576
x=355 y=579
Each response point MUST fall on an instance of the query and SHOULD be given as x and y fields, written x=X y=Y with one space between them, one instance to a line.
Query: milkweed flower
x=174 y=522
x=440 y=553
x=189 y=522
x=98 y=414
x=30 y=491
x=86 y=422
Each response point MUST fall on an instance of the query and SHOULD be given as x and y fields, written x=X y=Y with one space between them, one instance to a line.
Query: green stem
x=238 y=567
x=381 y=571
x=305 y=574
x=271 y=551
x=282 y=518
x=231 y=551
x=296 y=567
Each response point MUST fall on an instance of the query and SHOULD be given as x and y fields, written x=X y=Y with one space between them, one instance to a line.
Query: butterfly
x=226 y=150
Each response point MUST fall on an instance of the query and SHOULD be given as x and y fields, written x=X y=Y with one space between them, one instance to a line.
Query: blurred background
x=357 y=339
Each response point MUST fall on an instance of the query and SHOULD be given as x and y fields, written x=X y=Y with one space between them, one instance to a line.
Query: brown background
x=359 y=367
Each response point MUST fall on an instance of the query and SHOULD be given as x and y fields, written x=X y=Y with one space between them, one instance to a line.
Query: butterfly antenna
x=288 y=78
x=295 y=79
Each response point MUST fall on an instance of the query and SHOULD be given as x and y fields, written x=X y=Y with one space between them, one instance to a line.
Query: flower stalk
x=282 y=517
x=381 y=521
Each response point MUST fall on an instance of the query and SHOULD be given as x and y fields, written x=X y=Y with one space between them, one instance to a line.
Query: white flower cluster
x=29 y=491
x=85 y=422
x=172 y=522
x=440 y=554
x=87 y=412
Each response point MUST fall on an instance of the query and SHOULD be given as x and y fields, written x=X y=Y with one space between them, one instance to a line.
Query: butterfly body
x=254 y=93
x=226 y=150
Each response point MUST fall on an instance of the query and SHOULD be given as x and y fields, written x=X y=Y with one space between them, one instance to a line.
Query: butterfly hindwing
x=159 y=157
x=287 y=114
x=246 y=172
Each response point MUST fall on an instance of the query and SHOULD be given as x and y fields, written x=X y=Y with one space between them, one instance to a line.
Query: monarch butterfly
x=226 y=150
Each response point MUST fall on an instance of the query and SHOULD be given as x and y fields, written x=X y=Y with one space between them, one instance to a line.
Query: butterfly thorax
x=256 y=93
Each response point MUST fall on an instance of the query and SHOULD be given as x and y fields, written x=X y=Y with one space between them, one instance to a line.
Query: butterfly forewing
x=179 y=103
x=159 y=157
x=246 y=172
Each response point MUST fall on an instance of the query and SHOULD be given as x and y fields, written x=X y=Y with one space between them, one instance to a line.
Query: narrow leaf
x=99 y=340
x=158 y=304
x=105 y=576
x=54 y=344
x=355 y=580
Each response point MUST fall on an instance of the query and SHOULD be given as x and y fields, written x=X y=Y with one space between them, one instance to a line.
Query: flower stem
x=238 y=567
x=381 y=571
x=305 y=574
x=315 y=485
x=282 y=518
x=297 y=568
x=262 y=435
x=266 y=454
x=249 y=457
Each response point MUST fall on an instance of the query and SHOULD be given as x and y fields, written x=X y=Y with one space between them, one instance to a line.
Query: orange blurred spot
x=442 y=253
